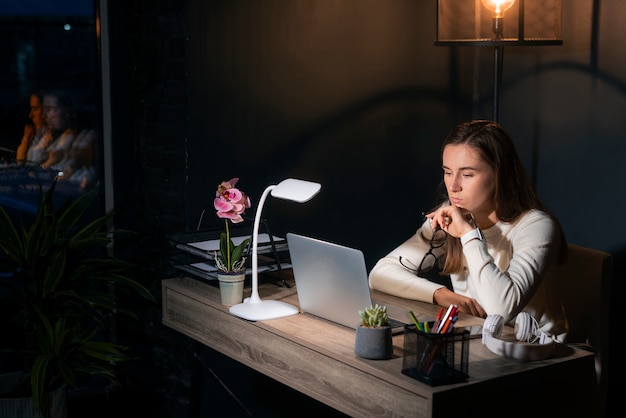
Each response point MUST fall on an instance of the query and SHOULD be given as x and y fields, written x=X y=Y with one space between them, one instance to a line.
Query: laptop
x=331 y=280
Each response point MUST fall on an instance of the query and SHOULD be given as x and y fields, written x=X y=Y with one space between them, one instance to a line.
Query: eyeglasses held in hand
x=429 y=261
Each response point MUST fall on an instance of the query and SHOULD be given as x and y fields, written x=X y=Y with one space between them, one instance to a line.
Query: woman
x=491 y=235
x=32 y=146
x=60 y=118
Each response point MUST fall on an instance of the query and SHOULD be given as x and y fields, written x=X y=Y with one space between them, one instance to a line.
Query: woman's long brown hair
x=514 y=193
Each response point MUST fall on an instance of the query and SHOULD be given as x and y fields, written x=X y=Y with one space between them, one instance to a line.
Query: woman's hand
x=453 y=220
x=445 y=297
x=29 y=131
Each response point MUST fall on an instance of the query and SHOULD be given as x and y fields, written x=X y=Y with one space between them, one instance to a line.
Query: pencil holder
x=436 y=359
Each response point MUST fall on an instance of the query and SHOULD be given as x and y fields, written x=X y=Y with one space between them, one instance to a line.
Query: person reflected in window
x=32 y=148
x=490 y=233
x=60 y=116
x=79 y=168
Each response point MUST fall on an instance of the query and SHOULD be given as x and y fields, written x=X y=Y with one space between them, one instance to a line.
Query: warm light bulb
x=498 y=7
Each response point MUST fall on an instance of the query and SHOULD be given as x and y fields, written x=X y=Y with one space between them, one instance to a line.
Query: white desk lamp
x=253 y=308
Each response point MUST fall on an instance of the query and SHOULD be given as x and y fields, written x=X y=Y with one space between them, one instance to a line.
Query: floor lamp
x=481 y=23
x=253 y=308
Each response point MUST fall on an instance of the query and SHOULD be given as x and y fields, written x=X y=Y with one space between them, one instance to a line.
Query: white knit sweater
x=511 y=271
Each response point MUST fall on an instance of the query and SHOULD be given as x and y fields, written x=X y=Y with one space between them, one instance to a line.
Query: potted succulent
x=64 y=288
x=230 y=204
x=373 y=335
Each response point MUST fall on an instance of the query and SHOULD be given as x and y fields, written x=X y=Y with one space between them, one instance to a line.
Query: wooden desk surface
x=316 y=357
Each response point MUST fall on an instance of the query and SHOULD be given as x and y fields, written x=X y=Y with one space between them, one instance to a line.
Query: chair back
x=585 y=286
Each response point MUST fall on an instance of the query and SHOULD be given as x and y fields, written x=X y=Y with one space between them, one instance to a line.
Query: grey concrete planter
x=373 y=343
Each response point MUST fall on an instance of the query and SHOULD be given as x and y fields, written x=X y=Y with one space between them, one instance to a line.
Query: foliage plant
x=374 y=316
x=230 y=203
x=65 y=287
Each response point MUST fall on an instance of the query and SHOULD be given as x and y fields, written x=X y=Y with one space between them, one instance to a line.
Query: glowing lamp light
x=497 y=9
x=253 y=308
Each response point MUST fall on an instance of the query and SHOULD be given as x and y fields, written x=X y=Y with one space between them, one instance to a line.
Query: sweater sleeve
x=389 y=276
x=506 y=288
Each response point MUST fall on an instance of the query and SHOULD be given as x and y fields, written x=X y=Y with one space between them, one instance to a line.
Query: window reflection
x=49 y=100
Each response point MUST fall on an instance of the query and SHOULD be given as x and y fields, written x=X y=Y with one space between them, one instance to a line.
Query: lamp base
x=263 y=310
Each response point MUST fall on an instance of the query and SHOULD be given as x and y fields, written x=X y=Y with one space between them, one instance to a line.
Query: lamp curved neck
x=254 y=296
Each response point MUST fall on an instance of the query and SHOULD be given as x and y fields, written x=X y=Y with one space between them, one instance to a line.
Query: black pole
x=498 y=52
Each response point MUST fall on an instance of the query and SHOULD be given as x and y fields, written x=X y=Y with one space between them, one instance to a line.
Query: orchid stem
x=228 y=246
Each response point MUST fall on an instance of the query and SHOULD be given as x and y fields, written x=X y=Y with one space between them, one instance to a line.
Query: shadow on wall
x=576 y=144
x=379 y=165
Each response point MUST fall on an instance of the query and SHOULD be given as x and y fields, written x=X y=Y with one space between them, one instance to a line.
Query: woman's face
x=470 y=182
x=54 y=113
x=36 y=111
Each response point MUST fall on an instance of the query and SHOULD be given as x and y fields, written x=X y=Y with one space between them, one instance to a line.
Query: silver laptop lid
x=331 y=280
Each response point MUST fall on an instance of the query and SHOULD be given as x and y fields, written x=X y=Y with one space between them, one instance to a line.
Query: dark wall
x=334 y=93
x=356 y=96
x=352 y=94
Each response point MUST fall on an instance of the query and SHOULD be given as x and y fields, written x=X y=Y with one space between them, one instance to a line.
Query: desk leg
x=205 y=382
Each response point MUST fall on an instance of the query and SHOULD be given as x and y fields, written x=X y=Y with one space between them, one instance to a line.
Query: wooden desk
x=316 y=357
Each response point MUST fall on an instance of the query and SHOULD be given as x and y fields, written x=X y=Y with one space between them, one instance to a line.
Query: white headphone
x=532 y=343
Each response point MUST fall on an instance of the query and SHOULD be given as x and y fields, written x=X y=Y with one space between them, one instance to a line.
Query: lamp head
x=296 y=190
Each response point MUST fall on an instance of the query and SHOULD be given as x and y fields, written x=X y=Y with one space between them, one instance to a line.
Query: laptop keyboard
x=396 y=325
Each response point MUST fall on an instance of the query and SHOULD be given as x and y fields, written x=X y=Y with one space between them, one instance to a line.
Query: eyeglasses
x=429 y=262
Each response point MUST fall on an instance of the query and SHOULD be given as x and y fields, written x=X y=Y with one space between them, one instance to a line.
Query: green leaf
x=239 y=250
x=38 y=379
x=374 y=316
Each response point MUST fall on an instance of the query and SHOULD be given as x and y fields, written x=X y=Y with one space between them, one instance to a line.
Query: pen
x=415 y=321
x=432 y=360
x=452 y=323
x=436 y=324
x=447 y=327
x=454 y=315
x=455 y=312
x=444 y=319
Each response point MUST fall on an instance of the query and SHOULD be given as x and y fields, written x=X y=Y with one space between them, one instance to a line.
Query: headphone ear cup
x=492 y=326
x=525 y=327
x=527 y=330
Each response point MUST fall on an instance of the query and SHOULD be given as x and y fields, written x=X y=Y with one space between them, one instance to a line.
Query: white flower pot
x=231 y=287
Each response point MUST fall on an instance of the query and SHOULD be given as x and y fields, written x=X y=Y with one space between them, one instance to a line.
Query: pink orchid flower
x=230 y=203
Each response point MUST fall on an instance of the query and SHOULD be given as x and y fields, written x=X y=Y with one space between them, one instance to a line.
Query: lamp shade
x=474 y=22
x=296 y=190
